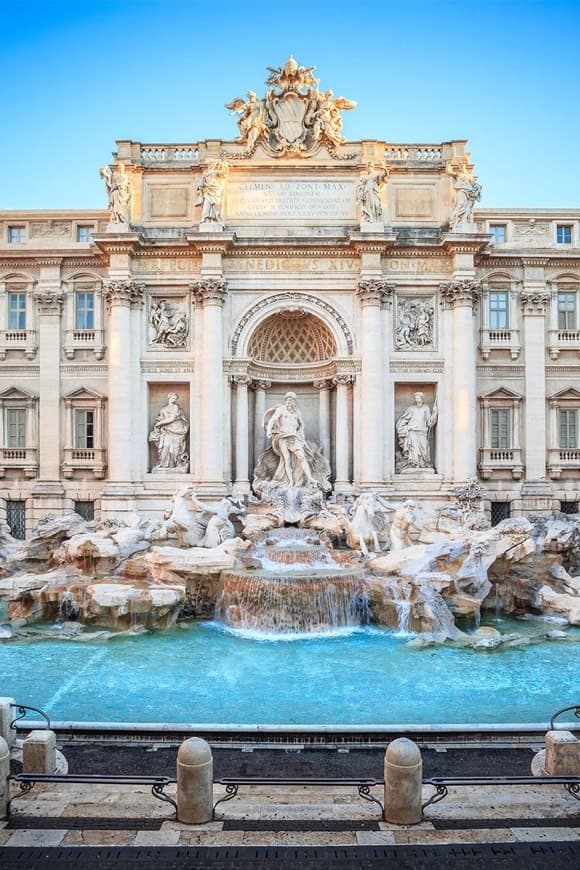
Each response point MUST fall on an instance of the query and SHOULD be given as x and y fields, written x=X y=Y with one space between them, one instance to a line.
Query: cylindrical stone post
x=403 y=782
x=4 y=773
x=7 y=716
x=194 y=782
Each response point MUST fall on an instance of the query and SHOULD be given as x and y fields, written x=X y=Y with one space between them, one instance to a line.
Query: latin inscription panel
x=291 y=200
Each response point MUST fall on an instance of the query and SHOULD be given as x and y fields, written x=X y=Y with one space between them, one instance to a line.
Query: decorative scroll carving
x=467 y=193
x=210 y=291
x=294 y=118
x=534 y=301
x=122 y=292
x=261 y=384
x=463 y=292
x=414 y=327
x=118 y=186
x=49 y=302
x=371 y=291
x=211 y=189
x=169 y=324
x=343 y=380
x=369 y=191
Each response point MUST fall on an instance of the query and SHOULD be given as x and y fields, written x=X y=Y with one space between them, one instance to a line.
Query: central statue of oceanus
x=291 y=467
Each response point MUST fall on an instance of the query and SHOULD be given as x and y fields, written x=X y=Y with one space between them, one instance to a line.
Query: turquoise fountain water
x=203 y=673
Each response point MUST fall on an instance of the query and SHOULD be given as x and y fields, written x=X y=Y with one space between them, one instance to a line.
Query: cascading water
x=301 y=587
x=68 y=606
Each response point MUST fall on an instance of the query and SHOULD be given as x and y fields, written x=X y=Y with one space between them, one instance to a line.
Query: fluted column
x=370 y=293
x=118 y=295
x=212 y=293
x=387 y=390
x=535 y=301
x=462 y=295
x=49 y=301
x=242 y=483
x=323 y=388
x=342 y=477
x=260 y=388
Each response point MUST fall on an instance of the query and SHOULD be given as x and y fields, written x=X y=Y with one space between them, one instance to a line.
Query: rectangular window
x=84 y=234
x=499 y=419
x=500 y=510
x=16 y=428
x=85 y=310
x=84 y=434
x=85 y=509
x=567 y=311
x=17 y=311
x=569 y=507
x=564 y=234
x=568 y=430
x=498 y=233
x=16 y=518
x=16 y=235
x=498 y=309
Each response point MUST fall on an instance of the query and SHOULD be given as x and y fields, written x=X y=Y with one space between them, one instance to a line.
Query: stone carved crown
x=294 y=118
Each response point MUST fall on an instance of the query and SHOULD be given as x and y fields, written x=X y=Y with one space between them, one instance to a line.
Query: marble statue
x=169 y=435
x=211 y=191
x=168 y=324
x=364 y=521
x=285 y=428
x=294 y=118
x=414 y=326
x=404 y=518
x=118 y=188
x=467 y=193
x=368 y=194
x=220 y=528
x=414 y=428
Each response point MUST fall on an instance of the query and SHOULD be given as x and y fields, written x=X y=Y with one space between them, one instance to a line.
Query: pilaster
x=535 y=301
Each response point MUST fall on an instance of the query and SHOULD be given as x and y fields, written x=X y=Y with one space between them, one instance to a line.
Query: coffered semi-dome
x=292 y=337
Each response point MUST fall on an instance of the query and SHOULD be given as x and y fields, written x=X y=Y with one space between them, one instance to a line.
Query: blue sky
x=78 y=75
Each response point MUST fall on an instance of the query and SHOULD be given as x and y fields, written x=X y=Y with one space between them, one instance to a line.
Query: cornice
x=118 y=243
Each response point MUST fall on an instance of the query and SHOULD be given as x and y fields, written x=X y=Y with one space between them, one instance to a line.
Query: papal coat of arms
x=294 y=118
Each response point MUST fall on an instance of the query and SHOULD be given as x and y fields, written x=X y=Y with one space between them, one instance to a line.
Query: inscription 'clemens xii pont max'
x=287 y=200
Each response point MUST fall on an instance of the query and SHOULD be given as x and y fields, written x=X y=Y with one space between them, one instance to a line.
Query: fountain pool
x=203 y=673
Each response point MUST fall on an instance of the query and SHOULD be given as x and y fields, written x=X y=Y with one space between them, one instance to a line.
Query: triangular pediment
x=16 y=393
x=501 y=393
x=85 y=393
x=568 y=393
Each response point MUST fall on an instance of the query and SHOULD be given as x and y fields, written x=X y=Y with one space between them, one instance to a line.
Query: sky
x=78 y=74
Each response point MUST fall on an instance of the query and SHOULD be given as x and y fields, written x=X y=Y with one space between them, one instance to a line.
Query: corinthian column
x=119 y=295
x=323 y=388
x=242 y=483
x=462 y=296
x=260 y=388
x=535 y=300
x=49 y=303
x=212 y=293
x=370 y=293
x=342 y=479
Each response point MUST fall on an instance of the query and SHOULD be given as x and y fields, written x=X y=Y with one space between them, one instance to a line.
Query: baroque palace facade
x=141 y=345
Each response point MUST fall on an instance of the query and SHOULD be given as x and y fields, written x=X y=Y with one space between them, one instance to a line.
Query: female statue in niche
x=169 y=435
x=414 y=428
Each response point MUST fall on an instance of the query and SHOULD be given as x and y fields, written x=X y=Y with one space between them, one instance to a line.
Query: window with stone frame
x=498 y=303
x=16 y=235
x=564 y=234
x=84 y=428
x=498 y=233
x=84 y=310
x=15 y=428
x=85 y=437
x=16 y=310
x=568 y=428
x=567 y=310
x=500 y=428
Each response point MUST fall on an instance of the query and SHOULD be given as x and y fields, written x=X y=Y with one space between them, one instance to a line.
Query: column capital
x=323 y=384
x=261 y=384
x=137 y=294
x=343 y=380
x=117 y=292
x=534 y=301
x=463 y=292
x=241 y=380
x=49 y=302
x=370 y=291
x=210 y=291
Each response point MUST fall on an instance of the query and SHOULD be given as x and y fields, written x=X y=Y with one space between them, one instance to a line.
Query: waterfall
x=68 y=606
x=290 y=602
x=443 y=620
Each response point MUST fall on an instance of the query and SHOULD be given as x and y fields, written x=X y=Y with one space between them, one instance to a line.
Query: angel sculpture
x=118 y=188
x=252 y=122
x=329 y=121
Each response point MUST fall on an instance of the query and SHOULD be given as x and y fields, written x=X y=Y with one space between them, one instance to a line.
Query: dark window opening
x=569 y=507
x=16 y=518
x=85 y=509
x=500 y=510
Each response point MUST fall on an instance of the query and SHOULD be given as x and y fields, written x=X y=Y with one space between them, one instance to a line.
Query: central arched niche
x=292 y=337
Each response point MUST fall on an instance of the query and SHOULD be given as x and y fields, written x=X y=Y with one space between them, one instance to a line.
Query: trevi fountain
x=294 y=605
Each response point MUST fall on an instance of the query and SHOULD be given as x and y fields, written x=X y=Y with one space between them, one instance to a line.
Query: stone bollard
x=7 y=715
x=562 y=754
x=194 y=782
x=4 y=773
x=403 y=782
x=39 y=752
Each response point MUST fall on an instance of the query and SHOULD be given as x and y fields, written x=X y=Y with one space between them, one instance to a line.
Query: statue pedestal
x=170 y=472
x=368 y=227
x=211 y=227
x=417 y=480
x=464 y=228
